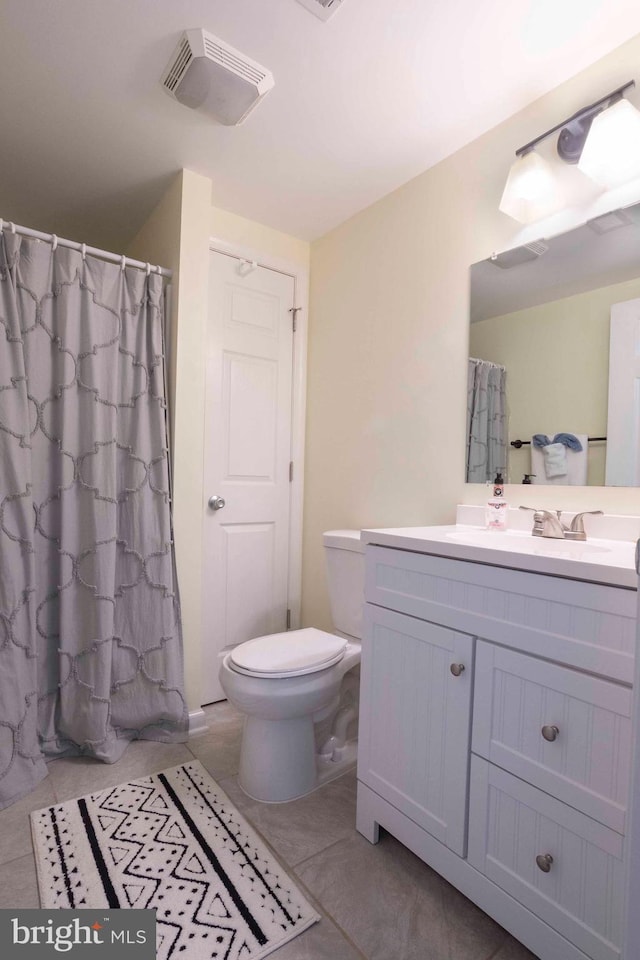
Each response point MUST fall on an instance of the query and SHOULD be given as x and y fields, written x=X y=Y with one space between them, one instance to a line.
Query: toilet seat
x=291 y=654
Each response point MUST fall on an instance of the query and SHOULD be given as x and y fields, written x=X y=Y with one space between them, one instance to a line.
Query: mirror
x=543 y=312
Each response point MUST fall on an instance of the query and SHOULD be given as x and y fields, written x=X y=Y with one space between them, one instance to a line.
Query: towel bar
x=522 y=443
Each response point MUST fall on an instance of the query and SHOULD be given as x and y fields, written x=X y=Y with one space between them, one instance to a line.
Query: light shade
x=531 y=192
x=611 y=154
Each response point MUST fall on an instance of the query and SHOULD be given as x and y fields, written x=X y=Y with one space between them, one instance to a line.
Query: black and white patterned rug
x=175 y=843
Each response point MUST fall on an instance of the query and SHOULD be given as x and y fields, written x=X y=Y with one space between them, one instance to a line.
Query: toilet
x=286 y=683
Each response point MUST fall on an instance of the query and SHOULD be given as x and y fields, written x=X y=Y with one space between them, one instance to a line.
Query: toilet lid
x=288 y=654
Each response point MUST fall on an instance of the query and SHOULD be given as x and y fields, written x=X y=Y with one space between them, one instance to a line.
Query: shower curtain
x=90 y=636
x=486 y=421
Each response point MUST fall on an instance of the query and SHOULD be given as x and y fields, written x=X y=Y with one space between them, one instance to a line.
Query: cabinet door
x=415 y=720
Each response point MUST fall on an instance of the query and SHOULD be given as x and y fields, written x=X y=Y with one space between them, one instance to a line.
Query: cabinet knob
x=550 y=732
x=456 y=669
x=544 y=861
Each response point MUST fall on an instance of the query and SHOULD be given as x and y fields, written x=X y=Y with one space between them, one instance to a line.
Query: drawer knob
x=550 y=732
x=544 y=861
x=456 y=669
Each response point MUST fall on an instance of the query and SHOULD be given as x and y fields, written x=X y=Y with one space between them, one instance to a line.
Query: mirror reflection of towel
x=555 y=460
x=576 y=461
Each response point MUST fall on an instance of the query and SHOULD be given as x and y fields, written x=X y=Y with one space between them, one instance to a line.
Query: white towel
x=555 y=460
x=576 y=474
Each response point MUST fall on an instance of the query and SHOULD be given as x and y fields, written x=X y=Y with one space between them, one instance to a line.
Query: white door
x=623 y=427
x=247 y=455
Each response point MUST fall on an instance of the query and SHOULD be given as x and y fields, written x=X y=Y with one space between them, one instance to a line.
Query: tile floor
x=376 y=902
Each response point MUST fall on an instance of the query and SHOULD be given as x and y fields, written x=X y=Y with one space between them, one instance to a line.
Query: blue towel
x=568 y=439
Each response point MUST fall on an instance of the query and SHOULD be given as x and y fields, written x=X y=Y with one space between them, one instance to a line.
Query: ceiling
x=362 y=103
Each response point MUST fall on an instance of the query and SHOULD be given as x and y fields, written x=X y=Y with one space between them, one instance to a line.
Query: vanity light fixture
x=603 y=139
x=531 y=191
x=611 y=155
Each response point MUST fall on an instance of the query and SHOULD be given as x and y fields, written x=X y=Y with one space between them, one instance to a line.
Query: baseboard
x=197 y=722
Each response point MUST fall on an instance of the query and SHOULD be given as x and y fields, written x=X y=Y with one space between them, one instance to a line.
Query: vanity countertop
x=599 y=560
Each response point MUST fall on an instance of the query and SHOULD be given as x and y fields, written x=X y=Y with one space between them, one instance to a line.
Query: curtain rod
x=498 y=366
x=84 y=249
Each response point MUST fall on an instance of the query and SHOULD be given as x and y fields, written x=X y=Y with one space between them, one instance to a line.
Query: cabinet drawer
x=581 y=896
x=587 y=625
x=587 y=763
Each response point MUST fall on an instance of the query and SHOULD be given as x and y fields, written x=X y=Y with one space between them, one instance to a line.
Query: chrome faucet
x=549 y=524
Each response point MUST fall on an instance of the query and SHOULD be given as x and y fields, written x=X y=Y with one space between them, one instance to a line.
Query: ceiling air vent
x=322 y=8
x=610 y=221
x=513 y=258
x=206 y=72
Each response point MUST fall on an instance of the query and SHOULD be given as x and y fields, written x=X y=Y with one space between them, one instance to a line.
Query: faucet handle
x=547 y=513
x=537 y=513
x=576 y=531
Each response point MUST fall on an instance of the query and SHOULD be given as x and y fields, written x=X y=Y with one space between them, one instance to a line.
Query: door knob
x=216 y=503
x=456 y=669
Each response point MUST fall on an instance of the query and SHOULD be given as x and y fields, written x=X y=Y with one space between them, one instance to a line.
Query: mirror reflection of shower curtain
x=486 y=421
x=90 y=634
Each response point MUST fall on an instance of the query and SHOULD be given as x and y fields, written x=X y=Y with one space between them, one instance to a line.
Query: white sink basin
x=519 y=542
x=597 y=560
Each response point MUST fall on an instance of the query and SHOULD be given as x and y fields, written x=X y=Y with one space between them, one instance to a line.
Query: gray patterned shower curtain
x=90 y=636
x=486 y=421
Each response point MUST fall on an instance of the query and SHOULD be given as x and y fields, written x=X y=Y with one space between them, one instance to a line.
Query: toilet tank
x=344 y=554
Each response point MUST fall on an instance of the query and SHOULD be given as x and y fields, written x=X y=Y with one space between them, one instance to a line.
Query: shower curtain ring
x=83 y=249
x=54 y=244
x=1 y=224
x=123 y=262
x=148 y=269
x=13 y=226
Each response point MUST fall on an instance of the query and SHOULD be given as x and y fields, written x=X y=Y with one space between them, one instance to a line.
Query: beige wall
x=557 y=361
x=177 y=235
x=230 y=228
x=389 y=341
x=158 y=242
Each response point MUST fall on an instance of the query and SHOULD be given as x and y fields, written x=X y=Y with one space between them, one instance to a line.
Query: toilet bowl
x=286 y=683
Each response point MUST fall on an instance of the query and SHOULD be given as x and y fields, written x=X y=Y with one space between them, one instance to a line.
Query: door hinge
x=290 y=471
x=294 y=315
x=288 y=619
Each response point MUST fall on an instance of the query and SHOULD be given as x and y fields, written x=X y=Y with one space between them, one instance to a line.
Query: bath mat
x=175 y=843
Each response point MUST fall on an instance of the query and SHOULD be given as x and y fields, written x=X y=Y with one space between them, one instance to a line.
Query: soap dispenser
x=496 y=511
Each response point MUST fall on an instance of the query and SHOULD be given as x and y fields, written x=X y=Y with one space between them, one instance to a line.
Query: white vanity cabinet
x=495 y=739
